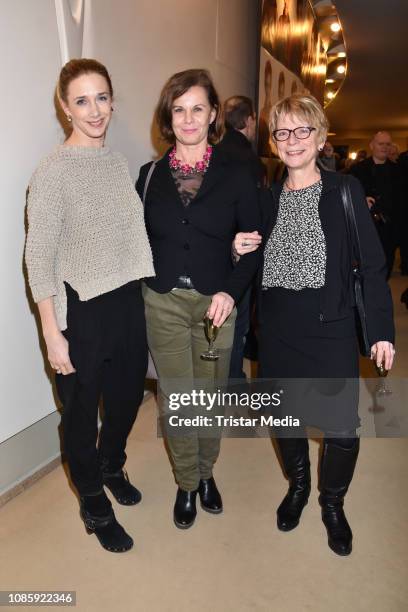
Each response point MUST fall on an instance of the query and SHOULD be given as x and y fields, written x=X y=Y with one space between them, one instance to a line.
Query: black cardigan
x=198 y=238
x=337 y=295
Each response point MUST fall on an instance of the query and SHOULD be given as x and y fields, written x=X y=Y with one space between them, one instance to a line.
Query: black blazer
x=197 y=239
x=391 y=193
x=337 y=295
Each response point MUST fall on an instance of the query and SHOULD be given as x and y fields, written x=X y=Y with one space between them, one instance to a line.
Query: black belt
x=184 y=282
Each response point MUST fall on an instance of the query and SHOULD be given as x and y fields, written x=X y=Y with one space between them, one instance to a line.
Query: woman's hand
x=220 y=308
x=58 y=353
x=370 y=201
x=246 y=242
x=383 y=351
x=57 y=345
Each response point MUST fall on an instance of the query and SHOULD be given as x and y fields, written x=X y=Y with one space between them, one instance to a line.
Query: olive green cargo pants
x=176 y=338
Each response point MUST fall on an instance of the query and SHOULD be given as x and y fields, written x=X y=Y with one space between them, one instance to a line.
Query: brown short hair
x=176 y=86
x=304 y=106
x=76 y=68
x=237 y=109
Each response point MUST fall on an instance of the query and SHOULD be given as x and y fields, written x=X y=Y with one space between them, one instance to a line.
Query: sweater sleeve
x=248 y=220
x=45 y=217
x=377 y=295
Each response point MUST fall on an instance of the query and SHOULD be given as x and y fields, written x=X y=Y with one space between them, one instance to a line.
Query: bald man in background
x=383 y=183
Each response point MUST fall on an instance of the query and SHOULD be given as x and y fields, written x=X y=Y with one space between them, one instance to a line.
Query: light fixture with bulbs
x=334 y=47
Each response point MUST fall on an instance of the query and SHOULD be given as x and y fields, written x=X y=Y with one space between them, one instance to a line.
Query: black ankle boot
x=336 y=473
x=210 y=496
x=185 y=510
x=295 y=458
x=119 y=485
x=97 y=513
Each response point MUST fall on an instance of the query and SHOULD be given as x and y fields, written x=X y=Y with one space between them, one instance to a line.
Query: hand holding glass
x=382 y=372
x=211 y=332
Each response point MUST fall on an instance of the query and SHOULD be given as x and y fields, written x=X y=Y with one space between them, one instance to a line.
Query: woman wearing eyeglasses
x=306 y=312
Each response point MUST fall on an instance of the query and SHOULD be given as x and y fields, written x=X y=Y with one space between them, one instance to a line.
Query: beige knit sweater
x=85 y=226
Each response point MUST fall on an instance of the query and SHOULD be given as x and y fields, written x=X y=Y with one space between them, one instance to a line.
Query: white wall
x=142 y=42
x=29 y=49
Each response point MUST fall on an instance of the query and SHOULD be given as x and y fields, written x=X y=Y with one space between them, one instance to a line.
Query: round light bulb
x=341 y=69
x=335 y=27
x=330 y=94
x=353 y=155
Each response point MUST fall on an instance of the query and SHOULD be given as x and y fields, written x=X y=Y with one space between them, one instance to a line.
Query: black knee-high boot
x=295 y=458
x=336 y=472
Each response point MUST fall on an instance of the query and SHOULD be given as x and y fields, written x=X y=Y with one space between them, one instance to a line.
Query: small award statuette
x=211 y=332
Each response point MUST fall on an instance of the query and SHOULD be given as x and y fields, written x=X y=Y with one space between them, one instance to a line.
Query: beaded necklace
x=185 y=169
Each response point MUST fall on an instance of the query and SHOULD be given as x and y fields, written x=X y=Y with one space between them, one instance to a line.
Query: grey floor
x=235 y=561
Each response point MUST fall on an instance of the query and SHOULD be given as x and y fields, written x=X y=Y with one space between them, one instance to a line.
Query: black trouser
x=402 y=238
x=388 y=236
x=108 y=348
x=241 y=329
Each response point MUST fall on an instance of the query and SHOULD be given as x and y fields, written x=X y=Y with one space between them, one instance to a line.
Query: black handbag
x=356 y=266
x=151 y=373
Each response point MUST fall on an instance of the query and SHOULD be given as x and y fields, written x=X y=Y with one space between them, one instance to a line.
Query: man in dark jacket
x=382 y=181
x=403 y=234
x=240 y=124
x=239 y=138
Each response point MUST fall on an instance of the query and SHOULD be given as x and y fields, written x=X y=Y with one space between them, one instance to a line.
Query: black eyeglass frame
x=301 y=127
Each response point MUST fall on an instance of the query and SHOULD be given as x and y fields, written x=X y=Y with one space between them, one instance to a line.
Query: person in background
x=237 y=143
x=383 y=185
x=196 y=197
x=86 y=251
x=307 y=322
x=403 y=235
x=361 y=155
x=328 y=157
x=240 y=132
x=346 y=164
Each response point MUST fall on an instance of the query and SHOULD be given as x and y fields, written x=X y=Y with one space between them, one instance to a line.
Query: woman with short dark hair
x=195 y=199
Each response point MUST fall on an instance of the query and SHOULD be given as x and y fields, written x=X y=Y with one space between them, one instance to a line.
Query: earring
x=112 y=109
x=69 y=118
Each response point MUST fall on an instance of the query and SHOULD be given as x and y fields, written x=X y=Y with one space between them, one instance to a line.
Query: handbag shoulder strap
x=147 y=181
x=351 y=224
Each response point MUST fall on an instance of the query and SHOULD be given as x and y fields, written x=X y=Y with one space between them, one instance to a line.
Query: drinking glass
x=211 y=333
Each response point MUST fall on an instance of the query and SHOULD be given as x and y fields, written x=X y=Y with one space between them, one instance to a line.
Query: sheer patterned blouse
x=187 y=186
